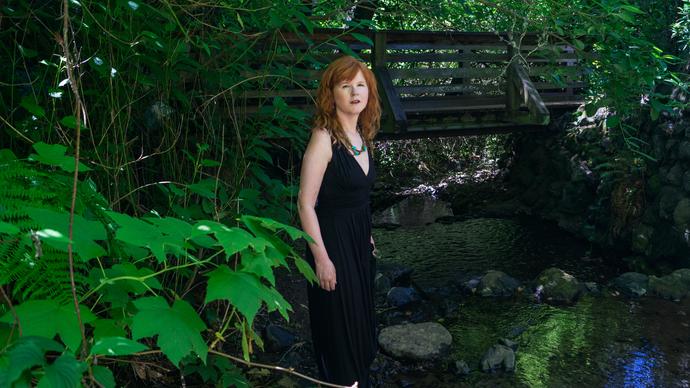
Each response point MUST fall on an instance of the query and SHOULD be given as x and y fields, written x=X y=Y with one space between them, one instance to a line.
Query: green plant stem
x=14 y=313
x=142 y=279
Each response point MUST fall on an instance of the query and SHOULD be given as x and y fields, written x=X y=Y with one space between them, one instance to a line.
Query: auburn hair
x=345 y=68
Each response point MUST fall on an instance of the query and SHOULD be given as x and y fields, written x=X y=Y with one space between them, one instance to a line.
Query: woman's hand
x=325 y=272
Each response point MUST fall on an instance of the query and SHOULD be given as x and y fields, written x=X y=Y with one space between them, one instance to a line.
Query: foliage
x=134 y=270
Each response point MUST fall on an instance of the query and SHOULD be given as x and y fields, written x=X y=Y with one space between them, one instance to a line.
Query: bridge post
x=390 y=98
x=512 y=94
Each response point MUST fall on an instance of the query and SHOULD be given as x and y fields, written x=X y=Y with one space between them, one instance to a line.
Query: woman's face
x=351 y=96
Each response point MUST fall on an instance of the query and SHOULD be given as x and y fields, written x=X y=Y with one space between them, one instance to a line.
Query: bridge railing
x=435 y=81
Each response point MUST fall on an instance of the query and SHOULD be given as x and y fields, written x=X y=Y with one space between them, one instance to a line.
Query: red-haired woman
x=336 y=179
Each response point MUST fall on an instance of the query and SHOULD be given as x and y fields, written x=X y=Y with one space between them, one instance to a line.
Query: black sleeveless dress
x=343 y=321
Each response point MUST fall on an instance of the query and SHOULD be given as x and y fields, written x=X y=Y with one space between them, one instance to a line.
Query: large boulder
x=402 y=296
x=418 y=341
x=498 y=357
x=277 y=338
x=674 y=286
x=681 y=214
x=633 y=284
x=497 y=283
x=559 y=286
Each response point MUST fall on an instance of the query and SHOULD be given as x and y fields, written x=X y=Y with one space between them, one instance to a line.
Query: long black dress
x=343 y=321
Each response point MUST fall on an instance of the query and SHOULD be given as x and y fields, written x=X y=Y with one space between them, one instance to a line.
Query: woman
x=336 y=179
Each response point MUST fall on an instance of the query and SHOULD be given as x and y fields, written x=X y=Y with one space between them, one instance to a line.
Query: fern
x=31 y=269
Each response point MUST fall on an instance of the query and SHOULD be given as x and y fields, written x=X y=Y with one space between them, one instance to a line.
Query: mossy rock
x=560 y=286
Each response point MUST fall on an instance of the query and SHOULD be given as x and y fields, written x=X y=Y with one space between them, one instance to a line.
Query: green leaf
x=29 y=103
x=362 y=38
x=26 y=353
x=116 y=346
x=71 y=122
x=632 y=9
x=612 y=121
x=144 y=234
x=107 y=328
x=104 y=376
x=258 y=264
x=55 y=229
x=625 y=17
x=294 y=233
x=579 y=44
x=65 y=372
x=245 y=292
x=8 y=228
x=232 y=239
x=231 y=375
x=45 y=318
x=305 y=269
x=54 y=155
x=178 y=336
x=27 y=52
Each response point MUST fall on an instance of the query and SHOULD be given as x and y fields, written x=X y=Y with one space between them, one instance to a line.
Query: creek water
x=605 y=340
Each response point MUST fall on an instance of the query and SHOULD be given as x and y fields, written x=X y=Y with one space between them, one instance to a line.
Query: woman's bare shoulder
x=320 y=142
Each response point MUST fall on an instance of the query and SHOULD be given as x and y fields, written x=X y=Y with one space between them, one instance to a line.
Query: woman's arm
x=314 y=163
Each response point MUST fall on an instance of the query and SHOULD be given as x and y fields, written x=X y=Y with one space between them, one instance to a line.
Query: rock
x=471 y=285
x=511 y=344
x=668 y=199
x=277 y=338
x=498 y=356
x=382 y=283
x=559 y=286
x=686 y=181
x=684 y=150
x=461 y=368
x=592 y=288
x=675 y=175
x=401 y=276
x=497 y=283
x=418 y=341
x=675 y=286
x=681 y=214
x=631 y=284
x=401 y=296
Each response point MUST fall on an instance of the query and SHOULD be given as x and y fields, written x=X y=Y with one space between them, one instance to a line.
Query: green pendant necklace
x=358 y=151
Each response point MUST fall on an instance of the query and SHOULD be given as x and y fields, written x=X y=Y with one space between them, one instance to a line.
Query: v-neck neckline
x=366 y=174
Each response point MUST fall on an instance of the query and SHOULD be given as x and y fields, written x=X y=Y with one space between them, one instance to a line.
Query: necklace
x=357 y=151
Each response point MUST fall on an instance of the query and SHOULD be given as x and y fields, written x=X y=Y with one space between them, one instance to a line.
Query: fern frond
x=28 y=274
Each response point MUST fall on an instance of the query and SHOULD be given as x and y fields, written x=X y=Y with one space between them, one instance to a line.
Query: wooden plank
x=452 y=104
x=520 y=81
x=445 y=57
x=427 y=73
x=442 y=45
x=459 y=130
x=449 y=88
x=280 y=93
x=391 y=98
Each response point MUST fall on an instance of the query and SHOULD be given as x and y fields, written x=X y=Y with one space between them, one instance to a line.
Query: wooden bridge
x=436 y=83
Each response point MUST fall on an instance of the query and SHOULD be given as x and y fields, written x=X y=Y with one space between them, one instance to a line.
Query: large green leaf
x=116 y=346
x=232 y=239
x=259 y=264
x=177 y=328
x=8 y=228
x=245 y=291
x=55 y=231
x=152 y=236
x=273 y=225
x=45 y=318
x=26 y=353
x=54 y=155
x=65 y=372
x=104 y=376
